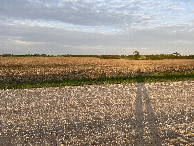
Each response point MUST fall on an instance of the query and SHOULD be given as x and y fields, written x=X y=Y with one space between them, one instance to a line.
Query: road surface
x=119 y=114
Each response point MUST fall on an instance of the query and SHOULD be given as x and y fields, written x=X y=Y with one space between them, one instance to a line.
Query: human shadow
x=142 y=95
x=139 y=117
x=80 y=130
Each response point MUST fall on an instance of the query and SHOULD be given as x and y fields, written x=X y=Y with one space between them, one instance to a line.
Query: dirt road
x=118 y=114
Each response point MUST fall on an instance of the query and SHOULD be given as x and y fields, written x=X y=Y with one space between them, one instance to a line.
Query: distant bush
x=136 y=56
x=27 y=55
x=161 y=57
x=69 y=55
x=109 y=56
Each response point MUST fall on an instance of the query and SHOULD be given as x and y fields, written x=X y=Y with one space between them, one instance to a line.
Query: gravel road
x=118 y=114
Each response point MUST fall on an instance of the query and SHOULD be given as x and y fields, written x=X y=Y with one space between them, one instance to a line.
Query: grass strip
x=177 y=76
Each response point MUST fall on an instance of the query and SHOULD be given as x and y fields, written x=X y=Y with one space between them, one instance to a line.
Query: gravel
x=113 y=114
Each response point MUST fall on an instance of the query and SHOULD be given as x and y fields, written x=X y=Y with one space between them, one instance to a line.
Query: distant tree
x=176 y=54
x=136 y=55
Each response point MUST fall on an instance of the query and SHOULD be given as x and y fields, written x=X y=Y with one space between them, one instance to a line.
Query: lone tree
x=136 y=55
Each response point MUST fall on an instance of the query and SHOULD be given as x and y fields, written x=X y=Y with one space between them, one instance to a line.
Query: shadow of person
x=142 y=94
x=139 y=118
x=151 y=118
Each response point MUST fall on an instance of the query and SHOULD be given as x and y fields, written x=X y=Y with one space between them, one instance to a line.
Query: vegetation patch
x=33 y=72
x=136 y=56
x=178 y=76
x=109 y=56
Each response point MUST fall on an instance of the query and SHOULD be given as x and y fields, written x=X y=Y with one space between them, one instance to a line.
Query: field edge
x=161 y=77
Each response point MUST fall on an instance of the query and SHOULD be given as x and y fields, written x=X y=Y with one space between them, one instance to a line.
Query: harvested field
x=37 y=69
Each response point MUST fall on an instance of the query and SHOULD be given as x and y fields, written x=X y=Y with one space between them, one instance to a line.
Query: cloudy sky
x=96 y=26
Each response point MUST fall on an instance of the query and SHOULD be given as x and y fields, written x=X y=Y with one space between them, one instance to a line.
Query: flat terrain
x=118 y=114
x=38 y=69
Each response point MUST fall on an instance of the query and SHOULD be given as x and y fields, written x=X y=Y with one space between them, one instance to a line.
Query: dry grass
x=28 y=69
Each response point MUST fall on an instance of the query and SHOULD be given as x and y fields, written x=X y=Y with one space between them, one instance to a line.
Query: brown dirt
x=27 y=69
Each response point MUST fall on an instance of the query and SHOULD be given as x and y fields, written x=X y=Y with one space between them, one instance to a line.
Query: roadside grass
x=161 y=77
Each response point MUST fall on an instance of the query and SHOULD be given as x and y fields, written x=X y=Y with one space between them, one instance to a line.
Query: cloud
x=182 y=42
x=91 y=12
x=98 y=25
x=59 y=25
x=60 y=41
x=26 y=43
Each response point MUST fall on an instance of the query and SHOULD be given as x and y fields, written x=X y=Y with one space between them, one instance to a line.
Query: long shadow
x=152 y=119
x=142 y=93
x=139 y=117
x=45 y=133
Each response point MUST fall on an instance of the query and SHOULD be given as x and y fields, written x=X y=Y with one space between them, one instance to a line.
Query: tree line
x=136 y=56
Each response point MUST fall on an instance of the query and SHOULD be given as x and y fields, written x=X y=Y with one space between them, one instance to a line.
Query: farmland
x=39 y=69
x=153 y=113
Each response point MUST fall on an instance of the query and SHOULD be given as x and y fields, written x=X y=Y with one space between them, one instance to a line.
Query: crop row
x=37 y=69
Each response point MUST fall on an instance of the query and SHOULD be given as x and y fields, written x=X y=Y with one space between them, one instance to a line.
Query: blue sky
x=96 y=26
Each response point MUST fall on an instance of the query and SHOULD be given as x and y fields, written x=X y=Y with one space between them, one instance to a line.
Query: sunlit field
x=39 y=69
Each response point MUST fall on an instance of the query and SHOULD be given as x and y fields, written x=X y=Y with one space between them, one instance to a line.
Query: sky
x=96 y=27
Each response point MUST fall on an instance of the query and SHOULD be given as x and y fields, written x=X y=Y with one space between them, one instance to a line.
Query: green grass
x=181 y=76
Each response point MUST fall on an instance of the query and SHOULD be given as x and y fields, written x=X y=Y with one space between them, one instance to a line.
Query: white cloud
x=185 y=42
x=60 y=25
x=114 y=13
x=98 y=24
x=18 y=41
